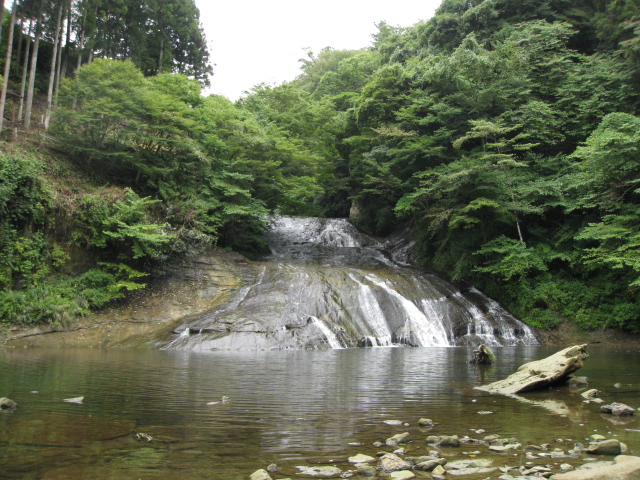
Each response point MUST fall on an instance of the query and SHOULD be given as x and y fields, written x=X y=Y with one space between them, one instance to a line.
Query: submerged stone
x=320 y=471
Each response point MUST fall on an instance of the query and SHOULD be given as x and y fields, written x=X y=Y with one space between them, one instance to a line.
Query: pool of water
x=157 y=414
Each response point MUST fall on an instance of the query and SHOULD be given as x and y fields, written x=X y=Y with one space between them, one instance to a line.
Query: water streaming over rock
x=326 y=285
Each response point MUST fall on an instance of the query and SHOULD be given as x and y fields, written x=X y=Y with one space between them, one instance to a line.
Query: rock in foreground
x=624 y=467
x=541 y=373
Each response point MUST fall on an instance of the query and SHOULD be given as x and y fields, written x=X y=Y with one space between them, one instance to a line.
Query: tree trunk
x=54 y=64
x=67 y=18
x=81 y=41
x=32 y=68
x=7 y=65
x=1 y=16
x=25 y=66
x=65 y=57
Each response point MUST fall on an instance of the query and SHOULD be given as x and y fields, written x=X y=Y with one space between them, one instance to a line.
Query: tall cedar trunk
x=81 y=41
x=54 y=64
x=1 y=16
x=67 y=18
x=25 y=66
x=32 y=68
x=7 y=65
x=65 y=57
x=18 y=56
x=80 y=48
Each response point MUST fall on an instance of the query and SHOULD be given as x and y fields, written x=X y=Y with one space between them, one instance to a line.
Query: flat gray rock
x=624 y=467
x=541 y=373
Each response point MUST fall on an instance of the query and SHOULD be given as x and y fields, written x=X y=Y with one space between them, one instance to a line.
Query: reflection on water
x=286 y=407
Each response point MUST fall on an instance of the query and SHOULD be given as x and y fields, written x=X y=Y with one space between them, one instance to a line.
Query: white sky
x=252 y=42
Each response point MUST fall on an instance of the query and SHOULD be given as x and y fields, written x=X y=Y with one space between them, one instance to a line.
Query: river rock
x=320 y=471
x=398 y=439
x=390 y=462
x=402 y=475
x=7 y=403
x=361 y=458
x=591 y=393
x=623 y=467
x=429 y=465
x=541 y=373
x=606 y=447
x=426 y=458
x=261 y=474
x=426 y=422
x=365 y=470
x=443 y=441
x=618 y=409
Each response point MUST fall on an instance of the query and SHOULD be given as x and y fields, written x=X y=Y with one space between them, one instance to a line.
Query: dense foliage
x=506 y=134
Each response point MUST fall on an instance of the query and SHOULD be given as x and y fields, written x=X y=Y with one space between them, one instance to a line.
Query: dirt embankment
x=190 y=287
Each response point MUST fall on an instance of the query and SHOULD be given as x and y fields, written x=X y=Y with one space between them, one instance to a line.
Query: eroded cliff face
x=326 y=285
x=189 y=288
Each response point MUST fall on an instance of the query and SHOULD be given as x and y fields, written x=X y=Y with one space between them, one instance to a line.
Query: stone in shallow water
x=393 y=422
x=618 y=409
x=391 y=463
x=623 y=467
x=398 y=439
x=260 y=475
x=605 y=447
x=365 y=470
x=361 y=458
x=402 y=475
x=320 y=471
x=7 y=403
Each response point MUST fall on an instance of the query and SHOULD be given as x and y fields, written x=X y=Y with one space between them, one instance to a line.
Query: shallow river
x=149 y=414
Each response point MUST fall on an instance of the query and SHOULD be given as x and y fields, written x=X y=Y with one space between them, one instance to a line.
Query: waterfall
x=326 y=285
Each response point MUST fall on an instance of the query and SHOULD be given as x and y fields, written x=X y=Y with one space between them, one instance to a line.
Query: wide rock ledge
x=624 y=467
x=541 y=373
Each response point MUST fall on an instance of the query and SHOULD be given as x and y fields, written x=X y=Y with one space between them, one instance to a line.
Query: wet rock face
x=542 y=373
x=325 y=285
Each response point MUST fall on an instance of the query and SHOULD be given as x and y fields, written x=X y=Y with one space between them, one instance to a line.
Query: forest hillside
x=505 y=134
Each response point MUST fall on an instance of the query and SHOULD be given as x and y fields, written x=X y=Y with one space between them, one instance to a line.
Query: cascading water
x=326 y=285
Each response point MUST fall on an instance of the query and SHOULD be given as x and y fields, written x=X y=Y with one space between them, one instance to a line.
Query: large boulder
x=623 y=467
x=541 y=373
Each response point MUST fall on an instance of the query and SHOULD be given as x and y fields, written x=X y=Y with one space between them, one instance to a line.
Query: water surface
x=291 y=408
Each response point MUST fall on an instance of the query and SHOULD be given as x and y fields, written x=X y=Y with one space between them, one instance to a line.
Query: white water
x=326 y=285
